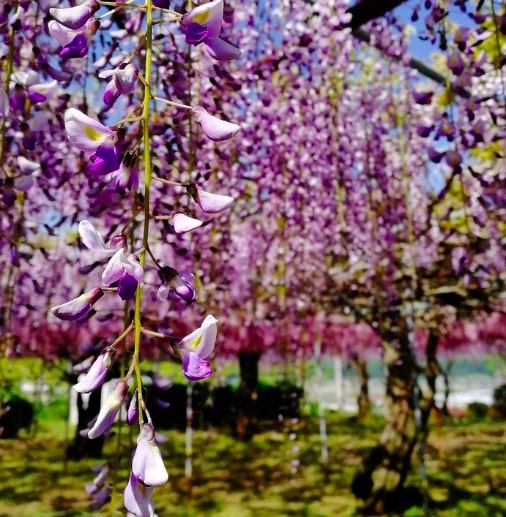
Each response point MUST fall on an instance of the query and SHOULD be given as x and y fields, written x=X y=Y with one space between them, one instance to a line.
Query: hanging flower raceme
x=121 y=268
x=203 y=25
x=196 y=347
x=214 y=128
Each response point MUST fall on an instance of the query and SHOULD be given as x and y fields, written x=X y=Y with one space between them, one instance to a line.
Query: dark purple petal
x=195 y=33
x=127 y=286
x=78 y=47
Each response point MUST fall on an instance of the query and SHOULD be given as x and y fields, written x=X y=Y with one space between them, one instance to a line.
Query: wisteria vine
x=123 y=162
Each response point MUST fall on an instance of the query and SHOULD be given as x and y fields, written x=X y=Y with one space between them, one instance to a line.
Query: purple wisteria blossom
x=132 y=415
x=214 y=128
x=97 y=373
x=203 y=25
x=85 y=133
x=100 y=479
x=183 y=223
x=79 y=307
x=209 y=202
x=196 y=347
x=137 y=498
x=122 y=268
x=147 y=463
x=175 y=286
x=109 y=410
x=74 y=43
x=122 y=81
x=75 y=17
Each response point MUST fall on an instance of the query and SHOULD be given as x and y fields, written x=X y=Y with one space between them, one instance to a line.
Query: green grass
x=466 y=469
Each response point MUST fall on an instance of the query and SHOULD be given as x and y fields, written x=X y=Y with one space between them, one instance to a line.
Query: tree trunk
x=363 y=400
x=381 y=476
x=247 y=395
x=82 y=446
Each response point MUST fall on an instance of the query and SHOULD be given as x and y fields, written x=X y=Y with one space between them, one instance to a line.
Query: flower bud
x=109 y=410
x=183 y=223
x=147 y=463
x=78 y=307
x=214 y=128
x=97 y=373
x=210 y=203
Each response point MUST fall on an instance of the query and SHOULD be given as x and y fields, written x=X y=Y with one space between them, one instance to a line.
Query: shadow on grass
x=278 y=473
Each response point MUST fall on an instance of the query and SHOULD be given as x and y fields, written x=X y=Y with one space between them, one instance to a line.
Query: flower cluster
x=112 y=156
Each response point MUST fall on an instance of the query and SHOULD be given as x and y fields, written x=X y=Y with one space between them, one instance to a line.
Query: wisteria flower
x=78 y=307
x=214 y=128
x=196 y=347
x=100 y=479
x=203 y=25
x=97 y=373
x=183 y=223
x=122 y=81
x=74 y=43
x=87 y=134
x=93 y=240
x=109 y=410
x=175 y=286
x=137 y=498
x=122 y=268
x=100 y=498
x=126 y=176
x=126 y=270
x=132 y=415
x=75 y=17
x=209 y=202
x=147 y=463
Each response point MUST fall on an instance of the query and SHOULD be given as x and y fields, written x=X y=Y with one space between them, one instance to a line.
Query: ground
x=278 y=473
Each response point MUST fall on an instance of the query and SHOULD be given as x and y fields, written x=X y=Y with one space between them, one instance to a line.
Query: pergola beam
x=365 y=11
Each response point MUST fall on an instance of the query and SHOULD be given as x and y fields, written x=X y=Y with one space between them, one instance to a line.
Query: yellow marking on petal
x=196 y=343
x=92 y=133
x=201 y=18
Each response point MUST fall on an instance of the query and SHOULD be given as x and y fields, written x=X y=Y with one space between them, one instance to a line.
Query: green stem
x=147 y=185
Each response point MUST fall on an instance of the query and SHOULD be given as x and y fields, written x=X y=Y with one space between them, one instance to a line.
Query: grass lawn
x=278 y=473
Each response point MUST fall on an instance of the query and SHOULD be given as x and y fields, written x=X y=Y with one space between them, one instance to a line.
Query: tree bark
x=363 y=400
x=247 y=395
x=378 y=481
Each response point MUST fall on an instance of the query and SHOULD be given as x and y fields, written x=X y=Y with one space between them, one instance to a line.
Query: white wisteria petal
x=183 y=223
x=202 y=340
x=75 y=17
x=214 y=203
x=93 y=240
x=214 y=128
x=86 y=133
